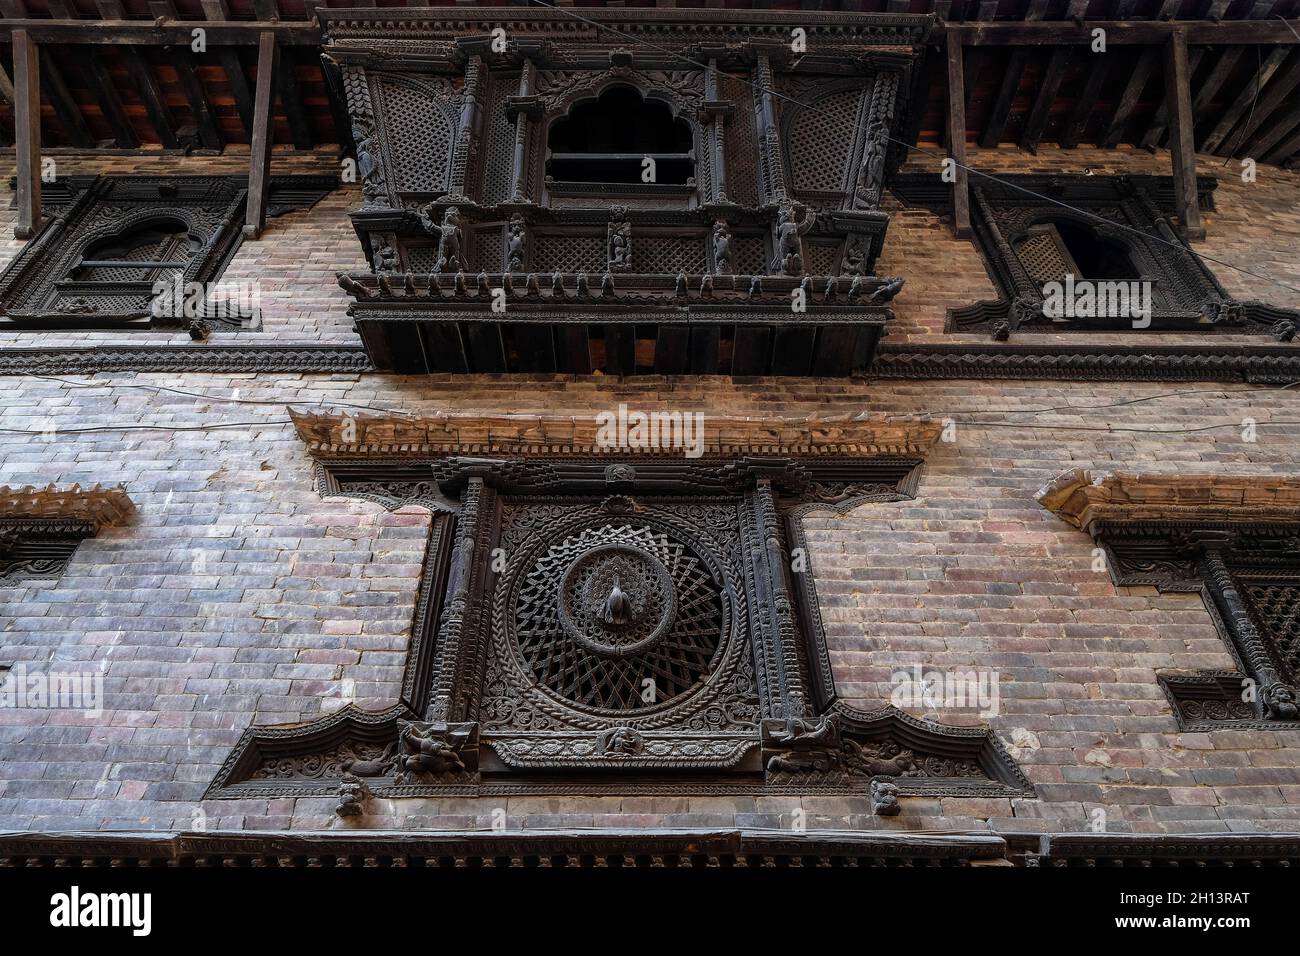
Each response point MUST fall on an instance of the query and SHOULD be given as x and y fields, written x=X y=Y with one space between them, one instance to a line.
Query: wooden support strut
x=259 y=161
x=27 y=133
x=957 y=138
x=1181 y=135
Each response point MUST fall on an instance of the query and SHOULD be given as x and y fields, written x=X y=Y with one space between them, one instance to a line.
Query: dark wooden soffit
x=122 y=74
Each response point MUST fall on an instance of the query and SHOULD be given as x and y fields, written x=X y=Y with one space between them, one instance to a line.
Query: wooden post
x=259 y=160
x=1182 y=144
x=27 y=133
x=957 y=137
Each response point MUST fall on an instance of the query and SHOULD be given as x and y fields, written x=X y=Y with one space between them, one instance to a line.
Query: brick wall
x=238 y=596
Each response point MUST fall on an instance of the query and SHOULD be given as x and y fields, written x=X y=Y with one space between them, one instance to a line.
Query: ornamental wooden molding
x=1084 y=498
x=339 y=436
x=96 y=505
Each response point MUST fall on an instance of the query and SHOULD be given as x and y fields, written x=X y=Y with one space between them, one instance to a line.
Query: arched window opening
x=1052 y=250
x=607 y=140
x=145 y=254
x=1098 y=259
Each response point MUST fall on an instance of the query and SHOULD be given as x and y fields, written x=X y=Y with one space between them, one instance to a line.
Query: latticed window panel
x=422 y=258
x=749 y=255
x=564 y=253
x=669 y=255
x=489 y=249
x=1043 y=255
x=420 y=138
x=614 y=611
x=823 y=258
x=741 y=147
x=498 y=157
x=819 y=148
x=1275 y=611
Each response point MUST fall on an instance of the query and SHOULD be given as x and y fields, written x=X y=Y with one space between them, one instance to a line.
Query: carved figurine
x=884 y=799
x=451 y=241
x=871 y=174
x=721 y=249
x=428 y=750
x=622 y=740
x=789 y=240
x=1280 y=702
x=353 y=795
x=515 y=245
x=810 y=745
x=871 y=761
x=620 y=240
x=371 y=767
x=892 y=286
x=385 y=256
x=618 y=606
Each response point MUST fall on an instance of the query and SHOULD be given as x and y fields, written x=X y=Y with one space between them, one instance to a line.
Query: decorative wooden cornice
x=342 y=436
x=1083 y=497
x=97 y=505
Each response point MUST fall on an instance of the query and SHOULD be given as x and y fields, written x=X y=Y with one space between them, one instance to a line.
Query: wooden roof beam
x=1049 y=85
x=1010 y=83
x=166 y=31
x=1120 y=32
x=259 y=160
x=957 y=138
x=1182 y=142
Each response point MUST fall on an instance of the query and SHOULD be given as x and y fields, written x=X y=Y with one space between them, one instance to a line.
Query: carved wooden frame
x=40 y=528
x=1203 y=534
x=768 y=475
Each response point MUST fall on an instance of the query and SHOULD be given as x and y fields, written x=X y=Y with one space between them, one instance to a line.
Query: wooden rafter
x=259 y=168
x=1050 y=84
x=27 y=127
x=1098 y=73
x=1010 y=83
x=957 y=138
x=1182 y=142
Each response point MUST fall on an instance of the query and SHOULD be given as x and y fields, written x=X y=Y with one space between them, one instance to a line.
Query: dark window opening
x=608 y=140
x=143 y=255
x=1098 y=259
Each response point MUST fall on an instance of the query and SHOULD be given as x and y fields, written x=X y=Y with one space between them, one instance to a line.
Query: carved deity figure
x=515 y=245
x=366 y=167
x=871 y=173
x=451 y=241
x=428 y=750
x=811 y=745
x=353 y=794
x=789 y=239
x=622 y=740
x=884 y=799
x=1280 y=702
x=721 y=249
x=620 y=240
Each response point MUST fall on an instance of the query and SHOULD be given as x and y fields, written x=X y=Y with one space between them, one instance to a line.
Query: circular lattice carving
x=607 y=609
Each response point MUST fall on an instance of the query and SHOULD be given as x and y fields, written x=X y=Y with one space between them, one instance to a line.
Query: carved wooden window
x=588 y=620
x=111 y=244
x=40 y=528
x=1249 y=575
x=1116 y=230
x=609 y=140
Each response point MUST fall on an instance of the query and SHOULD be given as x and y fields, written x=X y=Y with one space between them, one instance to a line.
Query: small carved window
x=610 y=139
x=145 y=254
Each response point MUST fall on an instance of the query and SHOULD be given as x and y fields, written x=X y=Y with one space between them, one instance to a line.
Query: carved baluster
x=779 y=607
x=519 y=172
x=769 y=136
x=454 y=684
x=1277 y=698
x=714 y=113
x=465 y=129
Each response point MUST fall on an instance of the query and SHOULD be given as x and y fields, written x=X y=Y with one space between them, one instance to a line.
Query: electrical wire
x=838 y=120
